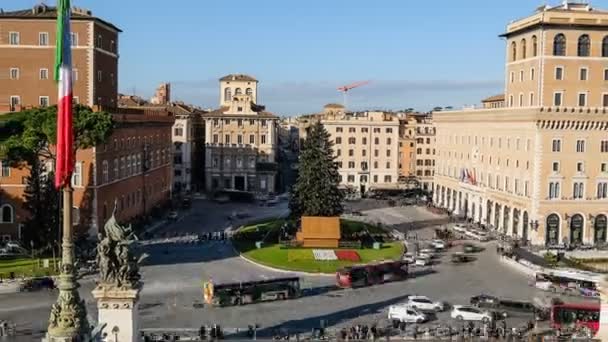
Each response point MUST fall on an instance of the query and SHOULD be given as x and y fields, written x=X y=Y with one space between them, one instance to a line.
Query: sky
x=416 y=54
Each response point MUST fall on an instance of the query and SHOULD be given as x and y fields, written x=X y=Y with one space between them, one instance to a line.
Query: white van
x=404 y=313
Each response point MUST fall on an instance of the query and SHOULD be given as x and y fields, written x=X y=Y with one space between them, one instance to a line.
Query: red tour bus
x=576 y=315
x=367 y=275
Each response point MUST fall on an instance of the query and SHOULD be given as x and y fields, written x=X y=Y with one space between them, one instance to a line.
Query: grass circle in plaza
x=357 y=240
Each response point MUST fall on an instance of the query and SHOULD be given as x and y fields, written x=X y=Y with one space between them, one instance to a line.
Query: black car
x=505 y=306
x=484 y=300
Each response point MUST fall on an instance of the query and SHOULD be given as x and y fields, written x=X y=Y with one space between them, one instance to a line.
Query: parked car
x=422 y=261
x=409 y=258
x=477 y=235
x=470 y=313
x=172 y=216
x=424 y=303
x=460 y=228
x=406 y=314
x=438 y=244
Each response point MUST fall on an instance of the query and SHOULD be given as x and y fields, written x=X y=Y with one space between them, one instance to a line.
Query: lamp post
x=68 y=320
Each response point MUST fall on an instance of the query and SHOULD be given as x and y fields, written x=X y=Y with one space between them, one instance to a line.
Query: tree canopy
x=316 y=190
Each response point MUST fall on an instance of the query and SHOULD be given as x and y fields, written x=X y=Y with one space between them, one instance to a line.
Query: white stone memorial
x=118 y=312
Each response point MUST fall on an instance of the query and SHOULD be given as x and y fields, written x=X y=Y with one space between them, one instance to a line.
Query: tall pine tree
x=316 y=190
x=41 y=201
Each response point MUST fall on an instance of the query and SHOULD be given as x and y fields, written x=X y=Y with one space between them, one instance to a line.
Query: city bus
x=567 y=282
x=241 y=293
x=576 y=315
x=367 y=275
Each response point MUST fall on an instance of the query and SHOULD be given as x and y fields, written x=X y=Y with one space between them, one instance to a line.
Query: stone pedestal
x=602 y=334
x=119 y=311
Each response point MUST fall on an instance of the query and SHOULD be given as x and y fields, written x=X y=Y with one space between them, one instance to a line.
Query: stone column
x=118 y=311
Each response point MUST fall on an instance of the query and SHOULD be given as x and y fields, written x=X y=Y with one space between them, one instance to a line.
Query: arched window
x=534 y=46
x=7 y=213
x=523 y=49
x=559 y=45
x=248 y=91
x=513 y=51
x=584 y=44
x=605 y=47
x=238 y=91
x=227 y=94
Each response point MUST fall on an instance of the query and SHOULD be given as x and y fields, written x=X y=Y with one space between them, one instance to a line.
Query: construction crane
x=346 y=88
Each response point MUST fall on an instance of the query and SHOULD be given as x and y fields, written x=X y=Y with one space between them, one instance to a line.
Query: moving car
x=471 y=248
x=426 y=252
x=503 y=305
x=172 y=216
x=438 y=244
x=422 y=260
x=460 y=228
x=409 y=258
x=470 y=313
x=484 y=300
x=459 y=258
x=477 y=235
x=424 y=303
x=405 y=314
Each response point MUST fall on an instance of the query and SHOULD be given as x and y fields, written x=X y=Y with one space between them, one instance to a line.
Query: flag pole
x=68 y=317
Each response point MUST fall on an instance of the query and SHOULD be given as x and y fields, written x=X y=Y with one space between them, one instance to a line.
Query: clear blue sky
x=416 y=53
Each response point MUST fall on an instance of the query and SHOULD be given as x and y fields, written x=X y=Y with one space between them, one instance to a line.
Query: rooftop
x=495 y=98
x=333 y=105
x=222 y=112
x=238 y=77
x=42 y=11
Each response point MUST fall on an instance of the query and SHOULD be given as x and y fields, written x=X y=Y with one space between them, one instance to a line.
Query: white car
x=424 y=303
x=470 y=313
x=404 y=313
x=438 y=244
x=426 y=252
x=460 y=228
x=409 y=258
x=477 y=235
x=422 y=261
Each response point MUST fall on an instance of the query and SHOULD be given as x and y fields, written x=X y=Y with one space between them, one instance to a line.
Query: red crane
x=346 y=88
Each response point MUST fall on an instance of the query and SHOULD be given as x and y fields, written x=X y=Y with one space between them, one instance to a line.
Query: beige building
x=540 y=172
x=240 y=140
x=557 y=57
x=366 y=146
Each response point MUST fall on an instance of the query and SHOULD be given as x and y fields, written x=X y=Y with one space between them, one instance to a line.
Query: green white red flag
x=64 y=165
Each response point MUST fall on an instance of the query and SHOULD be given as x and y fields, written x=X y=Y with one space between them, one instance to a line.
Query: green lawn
x=301 y=259
x=24 y=267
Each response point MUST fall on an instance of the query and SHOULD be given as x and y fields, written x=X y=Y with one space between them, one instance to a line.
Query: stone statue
x=117 y=263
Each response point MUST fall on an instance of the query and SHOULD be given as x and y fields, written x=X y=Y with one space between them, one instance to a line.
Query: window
x=248 y=91
x=74 y=38
x=43 y=101
x=521 y=100
x=364 y=130
x=387 y=179
x=338 y=129
x=557 y=99
x=364 y=141
x=388 y=153
x=179 y=130
x=604 y=167
x=513 y=51
x=583 y=45
x=263 y=122
x=6 y=169
x=99 y=75
x=227 y=139
x=510 y=100
x=238 y=92
x=239 y=139
x=112 y=46
x=7 y=213
x=99 y=42
x=580 y=146
x=351 y=164
x=559 y=45
x=351 y=153
x=556 y=145
x=338 y=140
x=352 y=141
x=377 y=141
x=604 y=146
x=582 y=99
x=252 y=139
x=227 y=94
x=263 y=139
x=578 y=190
x=376 y=153
x=583 y=74
x=116 y=175
x=555 y=167
x=559 y=73
x=534 y=46
x=377 y=130
x=521 y=76
x=375 y=165
x=350 y=178
x=389 y=130
x=338 y=152
x=580 y=167
x=216 y=139
x=523 y=49
x=77 y=175
x=602 y=190
x=43 y=38
x=605 y=100
x=14 y=73
x=44 y=74
x=389 y=141
x=554 y=191
x=531 y=99
x=13 y=38
x=532 y=74
x=388 y=165
x=352 y=130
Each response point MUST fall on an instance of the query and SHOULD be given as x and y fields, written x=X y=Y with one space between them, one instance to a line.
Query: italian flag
x=63 y=76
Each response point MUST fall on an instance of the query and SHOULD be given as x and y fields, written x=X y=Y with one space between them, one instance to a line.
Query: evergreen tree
x=316 y=190
x=41 y=201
